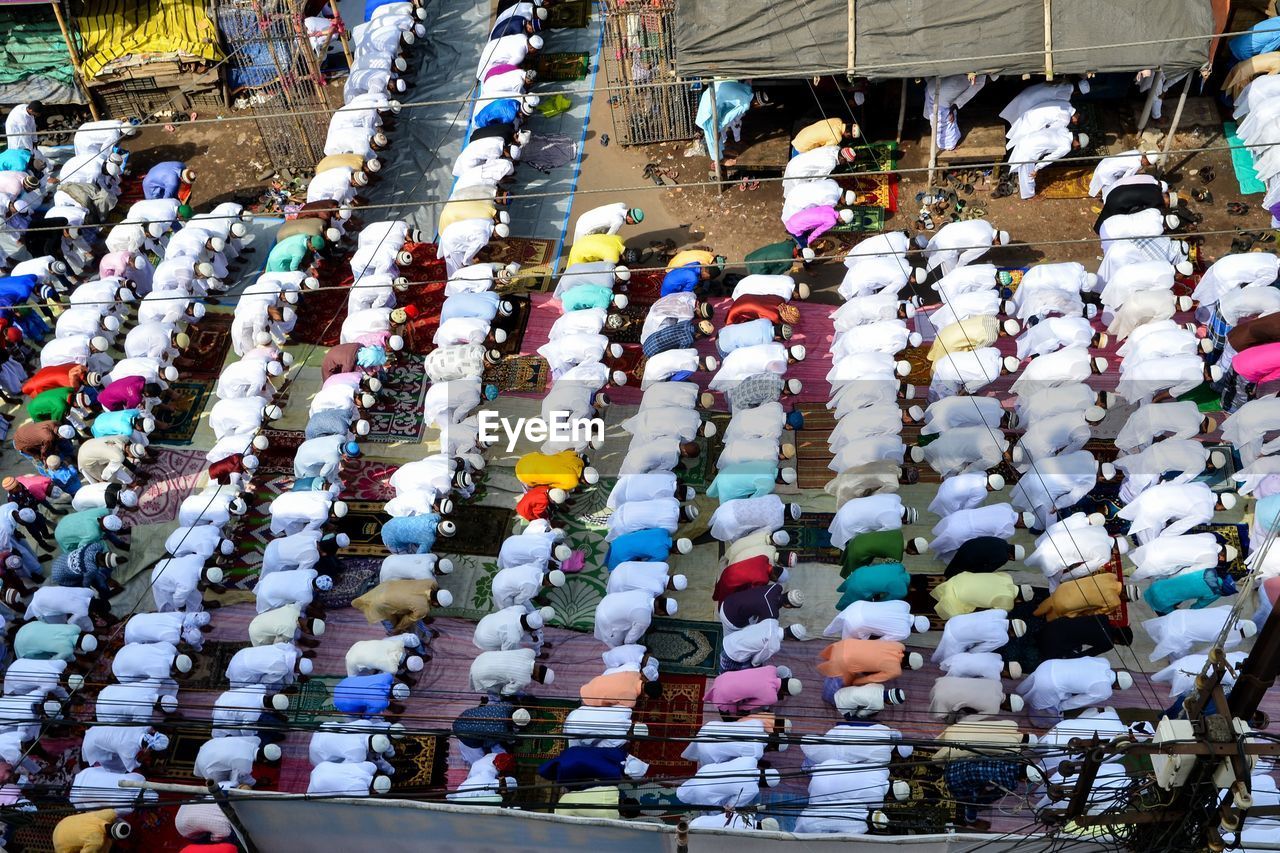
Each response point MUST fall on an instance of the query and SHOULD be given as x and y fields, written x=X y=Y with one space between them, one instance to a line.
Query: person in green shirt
x=867 y=547
x=291 y=253
x=78 y=529
x=874 y=582
x=50 y=641
x=52 y=405
x=773 y=259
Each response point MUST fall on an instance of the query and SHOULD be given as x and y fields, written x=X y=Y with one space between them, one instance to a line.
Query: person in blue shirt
x=164 y=180
x=517 y=26
x=132 y=423
x=370 y=695
x=415 y=534
x=589 y=766
x=508 y=111
x=648 y=546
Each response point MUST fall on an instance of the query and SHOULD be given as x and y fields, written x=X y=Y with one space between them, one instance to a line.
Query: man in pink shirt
x=812 y=222
x=747 y=690
x=1258 y=364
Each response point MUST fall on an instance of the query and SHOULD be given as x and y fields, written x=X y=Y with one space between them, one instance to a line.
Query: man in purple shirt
x=811 y=223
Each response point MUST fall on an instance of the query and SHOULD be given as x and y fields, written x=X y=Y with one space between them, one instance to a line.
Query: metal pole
x=902 y=109
x=1177 y=117
x=715 y=139
x=1151 y=99
x=933 y=129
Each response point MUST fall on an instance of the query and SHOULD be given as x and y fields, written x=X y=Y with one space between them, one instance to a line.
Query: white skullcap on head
x=112 y=523
x=182 y=663
x=271 y=752
x=414 y=663
x=444 y=598
x=400 y=691
x=381 y=784
x=535 y=42
x=305 y=666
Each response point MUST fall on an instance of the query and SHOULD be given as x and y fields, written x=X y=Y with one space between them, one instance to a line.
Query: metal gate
x=273 y=69
x=646 y=98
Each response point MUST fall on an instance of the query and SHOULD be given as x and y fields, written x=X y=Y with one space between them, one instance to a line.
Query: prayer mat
x=673 y=720
x=1060 y=182
x=397 y=416
x=691 y=648
x=874 y=190
x=420 y=762
x=539 y=741
x=921 y=368
x=1205 y=398
x=929 y=808
x=321 y=313
x=313 y=703
x=563 y=66
x=700 y=471
x=363 y=523
x=57 y=774
x=169 y=480
x=178 y=762
x=1242 y=161
x=810 y=539
x=209 y=667
x=277 y=459
x=188 y=400
x=1010 y=277
x=359 y=575
x=571 y=14
x=918 y=596
x=534 y=255
x=481 y=529
x=876 y=157
x=368 y=480
x=813 y=458
x=1235 y=535
x=516 y=326
x=524 y=374
x=866 y=220
x=645 y=286
x=210 y=343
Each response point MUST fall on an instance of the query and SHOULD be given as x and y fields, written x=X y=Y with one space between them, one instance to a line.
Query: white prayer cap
x=66 y=431
x=359 y=179
x=556 y=578
x=769 y=824
x=1173 y=200
x=793 y=686
x=171 y=373
x=590 y=476
x=502 y=230
x=772 y=777
x=1083 y=139
x=380 y=744
x=535 y=42
x=168 y=703
x=679 y=582
x=1015 y=703
x=238 y=230
x=52 y=708
x=1082 y=85
x=400 y=691
x=260 y=442
x=182 y=663
x=99 y=344
x=670 y=607
x=1019 y=552
x=514 y=150
x=280 y=702
x=788 y=475
x=214 y=574
x=250 y=462
x=381 y=784
x=305 y=666
x=112 y=523
x=155 y=229
x=541 y=12
x=414 y=663
x=1248 y=629
x=798 y=631
x=780 y=538
x=808 y=254
x=1124 y=680
x=324 y=583
x=550 y=676
x=622 y=273
x=339 y=509
x=521 y=717
x=558 y=496
x=1184 y=268
x=547 y=613
x=271 y=752
x=88 y=643
x=444 y=598
x=27 y=514
x=1003 y=237
x=684 y=545
x=534 y=620
x=111 y=324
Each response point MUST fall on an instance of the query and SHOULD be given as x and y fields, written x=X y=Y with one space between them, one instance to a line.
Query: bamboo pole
x=75 y=57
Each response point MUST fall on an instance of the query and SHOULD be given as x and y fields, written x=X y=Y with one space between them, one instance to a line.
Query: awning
x=927 y=38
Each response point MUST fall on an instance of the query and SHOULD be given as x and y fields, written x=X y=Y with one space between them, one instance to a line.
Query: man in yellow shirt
x=831 y=131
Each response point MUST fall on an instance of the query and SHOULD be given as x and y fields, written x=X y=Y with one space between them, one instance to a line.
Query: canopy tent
x=928 y=38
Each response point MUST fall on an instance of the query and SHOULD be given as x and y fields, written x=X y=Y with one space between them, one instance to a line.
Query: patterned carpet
x=169 y=480
x=692 y=648
x=188 y=400
x=562 y=66
x=677 y=715
x=398 y=413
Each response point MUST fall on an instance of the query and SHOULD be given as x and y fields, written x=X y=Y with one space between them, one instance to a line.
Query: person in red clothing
x=775 y=309
x=754 y=571
x=59 y=376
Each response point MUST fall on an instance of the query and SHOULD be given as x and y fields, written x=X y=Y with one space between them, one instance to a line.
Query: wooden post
x=715 y=139
x=75 y=57
x=853 y=35
x=902 y=108
x=1048 y=39
x=933 y=130
x=1177 y=117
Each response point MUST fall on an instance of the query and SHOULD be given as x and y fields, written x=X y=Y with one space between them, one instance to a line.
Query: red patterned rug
x=674 y=717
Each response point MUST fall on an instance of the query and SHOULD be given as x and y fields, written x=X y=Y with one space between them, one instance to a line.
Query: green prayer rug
x=188 y=400
x=571 y=14
x=811 y=540
x=563 y=66
x=683 y=646
x=1205 y=398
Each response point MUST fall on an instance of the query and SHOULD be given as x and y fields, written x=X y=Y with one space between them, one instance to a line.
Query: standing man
x=951 y=93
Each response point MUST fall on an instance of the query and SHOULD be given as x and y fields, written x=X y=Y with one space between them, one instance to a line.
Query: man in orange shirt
x=859 y=662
